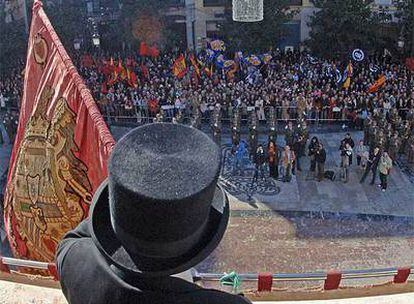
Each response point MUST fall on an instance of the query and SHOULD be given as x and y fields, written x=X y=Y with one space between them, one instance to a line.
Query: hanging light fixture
x=247 y=10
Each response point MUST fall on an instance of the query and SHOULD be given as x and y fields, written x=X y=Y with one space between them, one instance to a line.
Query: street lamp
x=401 y=43
x=95 y=40
x=248 y=10
x=77 y=44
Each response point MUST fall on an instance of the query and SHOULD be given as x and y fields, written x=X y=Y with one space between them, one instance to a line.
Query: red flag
x=87 y=61
x=153 y=51
x=377 y=84
x=179 y=67
x=121 y=70
x=143 y=49
x=61 y=149
x=153 y=105
x=145 y=71
x=410 y=63
x=132 y=79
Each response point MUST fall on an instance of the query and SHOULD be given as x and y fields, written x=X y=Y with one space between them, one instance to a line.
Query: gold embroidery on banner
x=49 y=183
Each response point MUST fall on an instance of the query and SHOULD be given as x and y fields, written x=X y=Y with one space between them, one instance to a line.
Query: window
x=213 y=2
x=295 y=2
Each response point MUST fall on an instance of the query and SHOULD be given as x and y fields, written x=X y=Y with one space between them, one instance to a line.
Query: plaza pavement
x=304 y=193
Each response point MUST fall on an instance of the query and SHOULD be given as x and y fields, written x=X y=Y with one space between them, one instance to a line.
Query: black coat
x=373 y=160
x=87 y=277
x=320 y=156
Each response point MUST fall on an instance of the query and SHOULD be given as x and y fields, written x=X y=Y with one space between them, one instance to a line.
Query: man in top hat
x=159 y=213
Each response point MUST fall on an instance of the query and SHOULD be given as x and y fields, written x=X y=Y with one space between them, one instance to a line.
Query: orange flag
x=61 y=149
x=377 y=84
x=179 y=67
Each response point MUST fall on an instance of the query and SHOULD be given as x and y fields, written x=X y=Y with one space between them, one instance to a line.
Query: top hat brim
x=105 y=239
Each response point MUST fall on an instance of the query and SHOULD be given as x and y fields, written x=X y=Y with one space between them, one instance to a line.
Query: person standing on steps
x=372 y=165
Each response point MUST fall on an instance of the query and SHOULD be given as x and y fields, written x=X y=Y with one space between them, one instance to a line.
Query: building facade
x=202 y=20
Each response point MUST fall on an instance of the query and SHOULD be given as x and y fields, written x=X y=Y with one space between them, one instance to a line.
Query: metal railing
x=248 y=277
x=309 y=276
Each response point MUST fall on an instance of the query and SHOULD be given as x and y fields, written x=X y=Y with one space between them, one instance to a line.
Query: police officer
x=272 y=125
x=367 y=125
x=289 y=134
x=394 y=144
x=252 y=135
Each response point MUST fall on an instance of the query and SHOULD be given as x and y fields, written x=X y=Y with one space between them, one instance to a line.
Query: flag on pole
x=347 y=75
x=132 y=79
x=121 y=70
x=144 y=70
x=179 y=67
x=143 y=49
x=379 y=83
x=195 y=65
x=60 y=154
x=153 y=51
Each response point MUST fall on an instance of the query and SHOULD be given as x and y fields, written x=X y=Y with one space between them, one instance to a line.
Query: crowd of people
x=293 y=83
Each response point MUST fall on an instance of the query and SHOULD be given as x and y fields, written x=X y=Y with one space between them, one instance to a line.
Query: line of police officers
x=389 y=132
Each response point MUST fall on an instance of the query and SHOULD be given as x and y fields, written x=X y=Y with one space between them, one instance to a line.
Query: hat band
x=157 y=249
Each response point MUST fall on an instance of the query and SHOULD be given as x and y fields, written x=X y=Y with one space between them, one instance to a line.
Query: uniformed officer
x=289 y=134
x=394 y=144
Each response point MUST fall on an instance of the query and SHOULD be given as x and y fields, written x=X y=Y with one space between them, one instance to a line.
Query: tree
x=68 y=19
x=338 y=27
x=406 y=15
x=257 y=36
x=145 y=20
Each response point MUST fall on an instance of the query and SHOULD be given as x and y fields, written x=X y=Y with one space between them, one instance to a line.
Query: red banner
x=61 y=150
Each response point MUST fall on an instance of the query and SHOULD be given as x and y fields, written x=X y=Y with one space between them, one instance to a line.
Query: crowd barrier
x=331 y=279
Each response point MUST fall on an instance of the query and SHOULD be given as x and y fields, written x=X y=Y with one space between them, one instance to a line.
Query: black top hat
x=160 y=211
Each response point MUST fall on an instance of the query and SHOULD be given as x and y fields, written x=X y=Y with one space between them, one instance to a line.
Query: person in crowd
x=362 y=154
x=239 y=158
x=299 y=147
x=384 y=168
x=289 y=134
x=273 y=160
x=348 y=140
x=372 y=165
x=346 y=154
x=288 y=160
x=320 y=158
x=312 y=148
x=260 y=160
